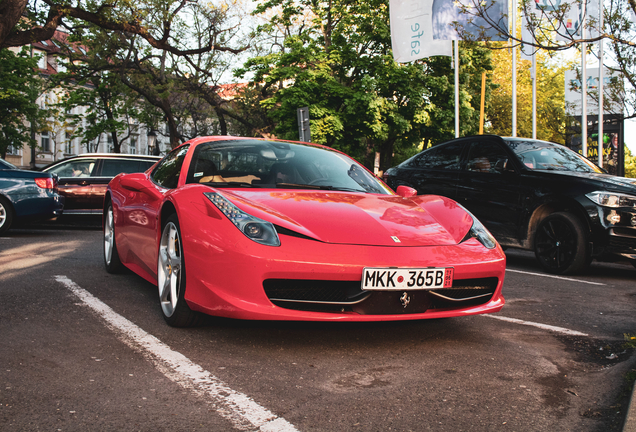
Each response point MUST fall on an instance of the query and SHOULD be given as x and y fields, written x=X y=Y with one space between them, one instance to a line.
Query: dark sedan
x=83 y=179
x=27 y=196
x=533 y=195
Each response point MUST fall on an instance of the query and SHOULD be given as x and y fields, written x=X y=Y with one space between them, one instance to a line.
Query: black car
x=533 y=195
x=83 y=179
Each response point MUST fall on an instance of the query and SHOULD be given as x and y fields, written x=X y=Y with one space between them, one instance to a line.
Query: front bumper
x=619 y=232
x=235 y=281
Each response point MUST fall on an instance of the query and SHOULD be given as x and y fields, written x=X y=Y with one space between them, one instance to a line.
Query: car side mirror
x=133 y=182
x=504 y=166
x=406 y=191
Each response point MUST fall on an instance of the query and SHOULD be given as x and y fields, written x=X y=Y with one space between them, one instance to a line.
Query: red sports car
x=273 y=230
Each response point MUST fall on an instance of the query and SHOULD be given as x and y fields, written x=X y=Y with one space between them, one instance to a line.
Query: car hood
x=358 y=218
x=610 y=182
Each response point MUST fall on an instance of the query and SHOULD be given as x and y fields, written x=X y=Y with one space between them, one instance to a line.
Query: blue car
x=27 y=196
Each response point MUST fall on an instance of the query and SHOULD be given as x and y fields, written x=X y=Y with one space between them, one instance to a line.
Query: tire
x=171 y=277
x=111 y=256
x=560 y=244
x=6 y=215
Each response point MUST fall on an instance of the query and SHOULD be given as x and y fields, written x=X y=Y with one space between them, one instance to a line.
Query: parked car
x=27 y=196
x=533 y=195
x=271 y=230
x=83 y=179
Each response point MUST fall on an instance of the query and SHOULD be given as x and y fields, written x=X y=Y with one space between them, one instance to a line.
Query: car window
x=74 y=168
x=486 y=157
x=444 y=157
x=112 y=167
x=542 y=155
x=167 y=172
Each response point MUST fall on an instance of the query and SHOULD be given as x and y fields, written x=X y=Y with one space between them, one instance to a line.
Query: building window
x=69 y=144
x=42 y=60
x=45 y=142
x=61 y=64
x=133 y=146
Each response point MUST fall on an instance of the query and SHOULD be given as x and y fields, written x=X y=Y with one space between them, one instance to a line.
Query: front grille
x=467 y=292
x=620 y=243
x=347 y=296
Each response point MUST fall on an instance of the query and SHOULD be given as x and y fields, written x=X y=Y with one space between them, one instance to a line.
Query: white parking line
x=538 y=325
x=556 y=277
x=238 y=408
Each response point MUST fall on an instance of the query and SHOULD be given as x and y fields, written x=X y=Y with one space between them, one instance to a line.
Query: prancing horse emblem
x=405 y=299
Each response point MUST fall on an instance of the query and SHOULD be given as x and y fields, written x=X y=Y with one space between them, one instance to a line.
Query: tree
x=118 y=70
x=20 y=87
x=336 y=58
x=551 y=116
x=630 y=164
x=549 y=29
x=132 y=18
x=107 y=105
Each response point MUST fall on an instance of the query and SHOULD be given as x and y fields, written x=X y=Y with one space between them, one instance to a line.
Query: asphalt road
x=85 y=350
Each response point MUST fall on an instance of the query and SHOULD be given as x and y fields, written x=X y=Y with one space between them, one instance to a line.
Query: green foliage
x=19 y=89
x=630 y=340
x=336 y=59
x=551 y=117
x=630 y=164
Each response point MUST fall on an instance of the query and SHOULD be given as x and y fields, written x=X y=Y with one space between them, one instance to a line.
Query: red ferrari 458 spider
x=272 y=230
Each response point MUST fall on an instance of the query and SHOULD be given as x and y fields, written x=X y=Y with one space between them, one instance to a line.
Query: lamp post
x=152 y=143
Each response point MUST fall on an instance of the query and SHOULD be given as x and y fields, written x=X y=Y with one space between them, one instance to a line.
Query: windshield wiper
x=316 y=187
x=234 y=184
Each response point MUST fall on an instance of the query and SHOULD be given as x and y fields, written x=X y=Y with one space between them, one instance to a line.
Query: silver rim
x=169 y=269
x=3 y=215
x=109 y=237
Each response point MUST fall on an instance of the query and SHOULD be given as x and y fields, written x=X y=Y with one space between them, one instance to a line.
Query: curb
x=630 y=419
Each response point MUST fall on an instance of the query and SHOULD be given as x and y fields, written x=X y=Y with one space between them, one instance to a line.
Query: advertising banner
x=612 y=92
x=412 y=33
x=459 y=20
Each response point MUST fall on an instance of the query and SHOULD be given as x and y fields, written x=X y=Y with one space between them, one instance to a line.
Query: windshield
x=256 y=163
x=542 y=155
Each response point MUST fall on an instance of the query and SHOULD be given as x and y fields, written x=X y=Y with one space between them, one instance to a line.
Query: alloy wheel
x=556 y=244
x=169 y=269
x=109 y=238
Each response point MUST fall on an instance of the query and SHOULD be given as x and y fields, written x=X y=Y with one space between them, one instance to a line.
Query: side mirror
x=406 y=191
x=133 y=182
x=503 y=166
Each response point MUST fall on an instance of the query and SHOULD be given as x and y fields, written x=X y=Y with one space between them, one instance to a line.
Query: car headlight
x=612 y=199
x=255 y=229
x=479 y=232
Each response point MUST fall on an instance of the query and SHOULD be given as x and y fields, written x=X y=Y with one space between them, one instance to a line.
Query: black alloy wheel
x=560 y=244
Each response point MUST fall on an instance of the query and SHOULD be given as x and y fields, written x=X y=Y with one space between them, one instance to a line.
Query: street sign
x=303 y=124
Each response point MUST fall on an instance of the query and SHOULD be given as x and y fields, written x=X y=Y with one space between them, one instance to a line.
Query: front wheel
x=560 y=244
x=171 y=277
x=6 y=215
